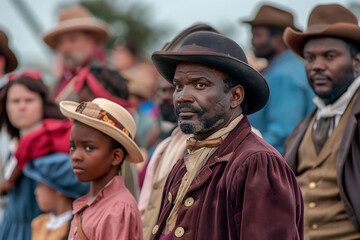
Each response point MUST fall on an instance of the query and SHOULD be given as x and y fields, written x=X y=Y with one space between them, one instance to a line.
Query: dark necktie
x=321 y=132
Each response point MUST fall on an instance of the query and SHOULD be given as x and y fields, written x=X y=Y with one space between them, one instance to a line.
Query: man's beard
x=73 y=59
x=202 y=125
x=337 y=89
x=167 y=112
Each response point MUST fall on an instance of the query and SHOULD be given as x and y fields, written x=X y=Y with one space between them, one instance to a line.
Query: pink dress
x=113 y=214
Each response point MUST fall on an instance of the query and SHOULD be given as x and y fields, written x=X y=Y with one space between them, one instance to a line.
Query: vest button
x=155 y=229
x=189 y=202
x=312 y=185
x=179 y=232
x=150 y=207
x=312 y=205
x=155 y=186
x=314 y=226
x=170 y=197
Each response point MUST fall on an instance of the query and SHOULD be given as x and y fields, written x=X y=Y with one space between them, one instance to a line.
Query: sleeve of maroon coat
x=268 y=200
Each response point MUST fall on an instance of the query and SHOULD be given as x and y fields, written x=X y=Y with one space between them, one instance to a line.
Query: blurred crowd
x=44 y=128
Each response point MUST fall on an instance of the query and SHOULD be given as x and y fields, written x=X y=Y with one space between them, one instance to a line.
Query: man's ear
x=118 y=156
x=237 y=96
x=356 y=64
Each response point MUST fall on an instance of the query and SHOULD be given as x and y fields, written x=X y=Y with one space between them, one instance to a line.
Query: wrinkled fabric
x=244 y=191
x=113 y=214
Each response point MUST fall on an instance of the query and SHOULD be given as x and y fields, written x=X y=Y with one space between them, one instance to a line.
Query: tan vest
x=151 y=213
x=325 y=216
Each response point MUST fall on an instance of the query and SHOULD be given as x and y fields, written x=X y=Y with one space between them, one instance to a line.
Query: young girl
x=57 y=187
x=101 y=139
x=101 y=82
x=28 y=114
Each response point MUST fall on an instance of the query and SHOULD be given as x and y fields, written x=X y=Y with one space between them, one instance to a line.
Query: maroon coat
x=244 y=191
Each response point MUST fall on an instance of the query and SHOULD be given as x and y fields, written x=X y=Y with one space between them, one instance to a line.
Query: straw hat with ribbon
x=11 y=61
x=109 y=118
x=329 y=20
x=77 y=18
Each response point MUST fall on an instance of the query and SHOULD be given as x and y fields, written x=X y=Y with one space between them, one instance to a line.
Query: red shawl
x=53 y=136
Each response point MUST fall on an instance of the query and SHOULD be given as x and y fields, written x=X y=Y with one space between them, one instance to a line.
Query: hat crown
x=331 y=14
x=3 y=39
x=214 y=42
x=267 y=12
x=119 y=113
x=74 y=13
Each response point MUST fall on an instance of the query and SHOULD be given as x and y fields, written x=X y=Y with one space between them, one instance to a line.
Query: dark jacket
x=244 y=191
x=348 y=160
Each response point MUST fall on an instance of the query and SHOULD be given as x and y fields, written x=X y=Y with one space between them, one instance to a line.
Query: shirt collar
x=57 y=221
x=339 y=106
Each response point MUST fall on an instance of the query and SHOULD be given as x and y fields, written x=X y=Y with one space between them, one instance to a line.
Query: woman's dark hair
x=111 y=80
x=50 y=108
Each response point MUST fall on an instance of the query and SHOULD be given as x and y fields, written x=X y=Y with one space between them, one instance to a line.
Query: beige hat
x=109 y=118
x=77 y=18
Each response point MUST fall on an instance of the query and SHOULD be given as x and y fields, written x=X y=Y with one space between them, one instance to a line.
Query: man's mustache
x=320 y=75
x=187 y=106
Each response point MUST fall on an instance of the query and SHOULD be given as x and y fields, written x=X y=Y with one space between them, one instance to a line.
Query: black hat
x=219 y=52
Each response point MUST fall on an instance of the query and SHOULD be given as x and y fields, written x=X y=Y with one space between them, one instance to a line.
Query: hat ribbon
x=98 y=90
x=27 y=73
x=93 y=110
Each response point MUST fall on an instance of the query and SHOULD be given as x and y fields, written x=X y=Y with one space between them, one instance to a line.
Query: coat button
x=314 y=226
x=170 y=197
x=155 y=186
x=312 y=205
x=312 y=185
x=155 y=229
x=150 y=207
x=189 y=202
x=179 y=232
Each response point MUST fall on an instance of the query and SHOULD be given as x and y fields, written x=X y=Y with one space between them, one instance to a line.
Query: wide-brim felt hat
x=273 y=17
x=11 y=61
x=176 y=42
x=330 y=20
x=77 y=18
x=109 y=118
x=219 y=52
x=55 y=171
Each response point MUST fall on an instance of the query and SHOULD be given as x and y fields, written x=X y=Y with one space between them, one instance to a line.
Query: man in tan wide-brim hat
x=285 y=75
x=323 y=150
x=8 y=60
x=75 y=39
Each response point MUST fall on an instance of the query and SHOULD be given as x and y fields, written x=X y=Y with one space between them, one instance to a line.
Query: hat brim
x=295 y=40
x=256 y=87
x=134 y=155
x=99 y=28
x=11 y=61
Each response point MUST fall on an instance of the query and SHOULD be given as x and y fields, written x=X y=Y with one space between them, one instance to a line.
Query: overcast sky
x=176 y=13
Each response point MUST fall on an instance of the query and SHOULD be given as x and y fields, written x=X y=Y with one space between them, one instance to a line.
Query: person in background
x=8 y=63
x=29 y=115
x=290 y=96
x=172 y=145
x=323 y=150
x=231 y=184
x=57 y=188
x=76 y=38
x=102 y=138
x=101 y=82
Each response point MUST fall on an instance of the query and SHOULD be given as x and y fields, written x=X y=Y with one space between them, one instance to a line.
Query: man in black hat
x=290 y=95
x=231 y=184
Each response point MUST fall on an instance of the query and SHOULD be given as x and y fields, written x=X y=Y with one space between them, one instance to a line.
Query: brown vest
x=325 y=216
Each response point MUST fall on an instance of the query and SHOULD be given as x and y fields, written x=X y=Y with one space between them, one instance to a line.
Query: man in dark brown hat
x=323 y=150
x=75 y=39
x=230 y=184
x=290 y=96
